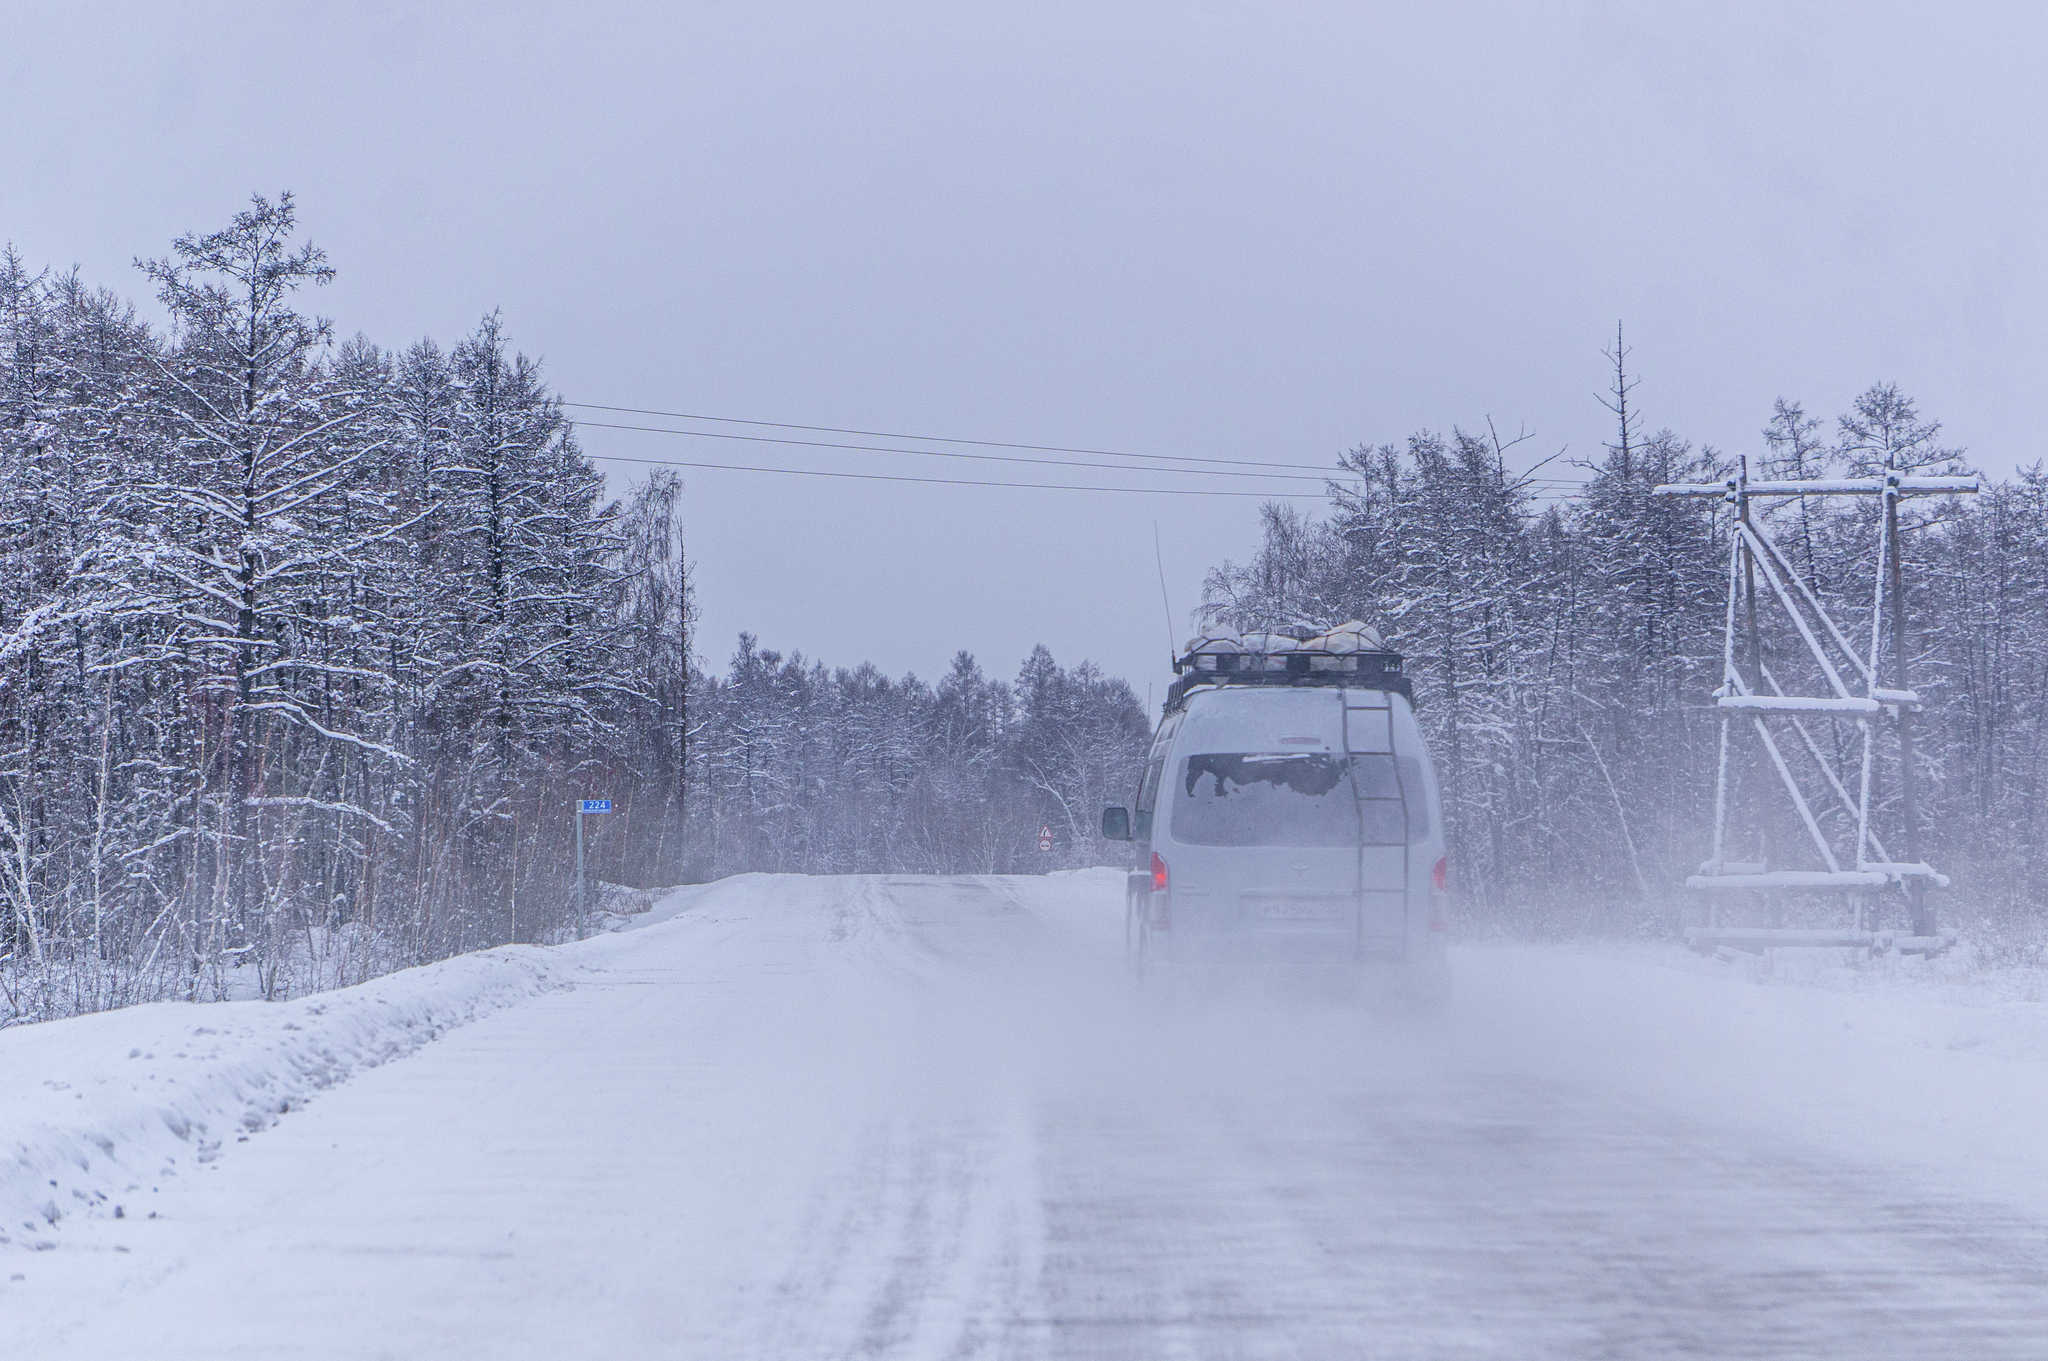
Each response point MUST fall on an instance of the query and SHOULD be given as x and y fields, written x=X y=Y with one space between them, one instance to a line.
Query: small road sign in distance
x=596 y=806
x=1045 y=837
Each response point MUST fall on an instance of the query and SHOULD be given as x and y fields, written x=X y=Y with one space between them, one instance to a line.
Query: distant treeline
x=797 y=767
x=306 y=648
x=1565 y=652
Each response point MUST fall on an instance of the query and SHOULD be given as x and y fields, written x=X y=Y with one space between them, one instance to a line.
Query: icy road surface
x=896 y=1117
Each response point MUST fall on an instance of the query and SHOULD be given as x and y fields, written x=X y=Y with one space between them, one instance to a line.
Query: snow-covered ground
x=904 y=1117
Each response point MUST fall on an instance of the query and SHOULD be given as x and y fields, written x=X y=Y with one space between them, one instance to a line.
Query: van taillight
x=1436 y=876
x=1438 y=898
x=1161 y=905
x=1158 y=874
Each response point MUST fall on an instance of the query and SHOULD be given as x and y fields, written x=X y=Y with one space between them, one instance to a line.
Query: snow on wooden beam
x=1792 y=879
x=1831 y=486
x=1772 y=935
x=1825 y=936
x=1908 y=869
x=1800 y=704
x=1755 y=938
x=1872 y=875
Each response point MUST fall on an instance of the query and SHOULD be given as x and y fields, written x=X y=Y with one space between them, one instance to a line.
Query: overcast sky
x=1258 y=232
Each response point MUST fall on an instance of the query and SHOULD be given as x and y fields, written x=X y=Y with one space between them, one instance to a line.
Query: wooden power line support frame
x=1751 y=691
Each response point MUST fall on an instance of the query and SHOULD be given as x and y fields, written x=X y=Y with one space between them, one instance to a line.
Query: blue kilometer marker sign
x=585 y=806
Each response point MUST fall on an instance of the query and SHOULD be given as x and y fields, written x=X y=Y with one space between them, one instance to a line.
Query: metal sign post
x=583 y=807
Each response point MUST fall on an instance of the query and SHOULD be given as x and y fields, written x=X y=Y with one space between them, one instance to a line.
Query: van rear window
x=1286 y=799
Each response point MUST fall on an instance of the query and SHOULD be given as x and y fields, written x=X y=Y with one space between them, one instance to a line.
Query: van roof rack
x=1351 y=655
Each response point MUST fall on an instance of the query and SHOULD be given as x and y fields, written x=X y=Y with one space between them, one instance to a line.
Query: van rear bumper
x=1286 y=926
x=1278 y=943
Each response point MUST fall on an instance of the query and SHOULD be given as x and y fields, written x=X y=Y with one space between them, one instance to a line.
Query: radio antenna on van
x=1158 y=557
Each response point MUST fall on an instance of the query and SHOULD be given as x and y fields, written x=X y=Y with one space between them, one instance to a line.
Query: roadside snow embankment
x=1916 y=1076
x=99 y=1110
x=1953 y=1002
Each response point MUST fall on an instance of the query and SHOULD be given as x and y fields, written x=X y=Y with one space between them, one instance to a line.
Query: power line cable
x=1540 y=488
x=962 y=482
x=967 y=482
x=952 y=453
x=1543 y=486
x=885 y=434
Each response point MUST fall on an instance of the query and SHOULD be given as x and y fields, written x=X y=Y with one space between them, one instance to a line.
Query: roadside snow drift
x=101 y=1110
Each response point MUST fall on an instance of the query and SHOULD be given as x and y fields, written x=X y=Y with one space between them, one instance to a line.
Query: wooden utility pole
x=1755 y=649
x=1916 y=888
x=1756 y=637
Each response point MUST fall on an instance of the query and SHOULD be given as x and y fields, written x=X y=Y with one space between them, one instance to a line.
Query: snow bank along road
x=899 y=1117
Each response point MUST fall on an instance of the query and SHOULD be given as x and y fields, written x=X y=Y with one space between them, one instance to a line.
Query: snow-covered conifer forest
x=306 y=645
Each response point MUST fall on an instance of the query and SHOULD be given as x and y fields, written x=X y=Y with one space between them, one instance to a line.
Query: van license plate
x=1302 y=909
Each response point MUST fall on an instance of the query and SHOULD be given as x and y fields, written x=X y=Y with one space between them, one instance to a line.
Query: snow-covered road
x=900 y=1117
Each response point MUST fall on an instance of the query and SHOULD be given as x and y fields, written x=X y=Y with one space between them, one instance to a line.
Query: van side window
x=1148 y=796
x=1148 y=787
x=1418 y=804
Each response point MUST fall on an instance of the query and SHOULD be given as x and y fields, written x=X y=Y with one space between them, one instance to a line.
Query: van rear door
x=1261 y=818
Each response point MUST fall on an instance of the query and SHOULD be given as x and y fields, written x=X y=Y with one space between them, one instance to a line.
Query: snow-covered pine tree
x=248 y=543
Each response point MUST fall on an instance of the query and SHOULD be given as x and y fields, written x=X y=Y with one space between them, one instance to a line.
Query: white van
x=1289 y=812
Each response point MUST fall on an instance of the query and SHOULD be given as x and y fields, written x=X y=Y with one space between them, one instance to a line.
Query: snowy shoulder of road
x=102 y=1109
x=1931 y=1067
x=1948 y=1003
